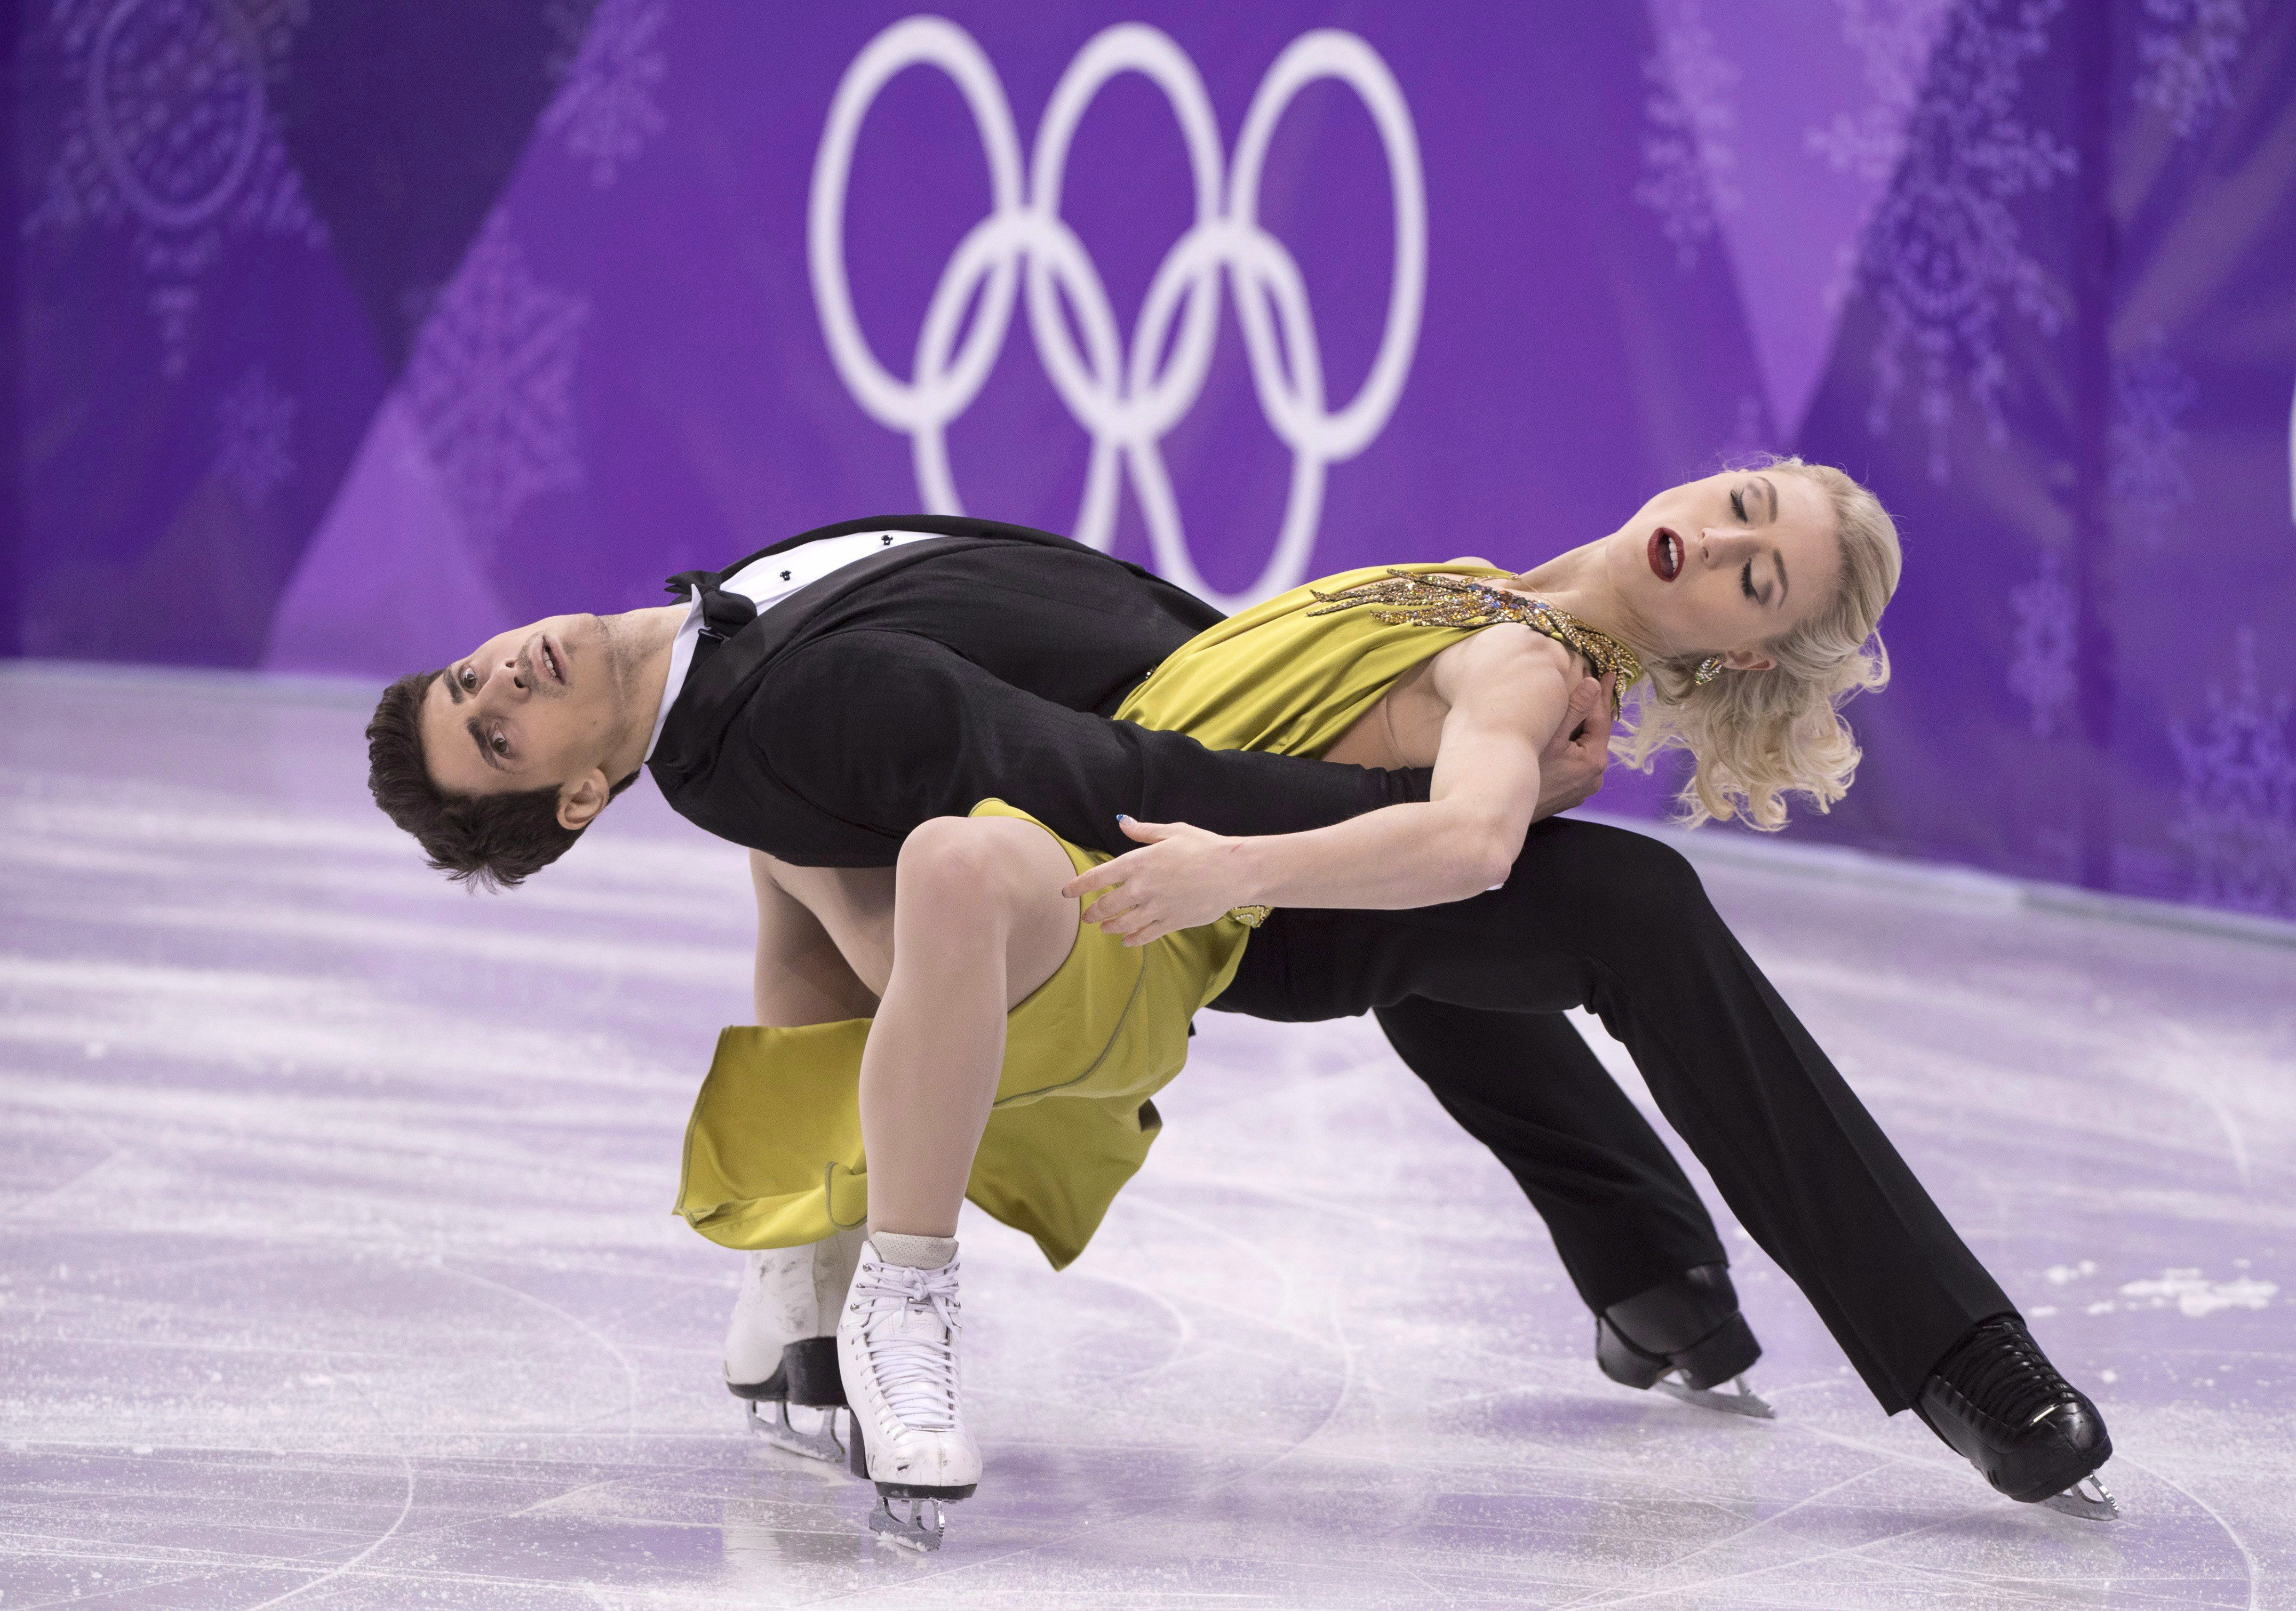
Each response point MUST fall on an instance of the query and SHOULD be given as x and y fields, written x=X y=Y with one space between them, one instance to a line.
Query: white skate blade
x=1745 y=1402
x=778 y=1430
x=2087 y=1499
x=921 y=1530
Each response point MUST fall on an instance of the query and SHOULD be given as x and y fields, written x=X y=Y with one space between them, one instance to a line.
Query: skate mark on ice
x=1184 y=1328
x=2193 y=1074
x=74 y=1179
x=1592 y=1597
x=1256 y=1254
x=1698 y=1587
x=405 y=1506
x=1883 y=1458
x=681 y=1286
x=630 y=1371
x=2247 y=1558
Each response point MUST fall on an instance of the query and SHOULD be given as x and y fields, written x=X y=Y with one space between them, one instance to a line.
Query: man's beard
x=622 y=655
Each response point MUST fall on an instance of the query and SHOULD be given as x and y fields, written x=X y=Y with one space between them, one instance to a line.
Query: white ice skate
x=896 y=1345
x=780 y=1346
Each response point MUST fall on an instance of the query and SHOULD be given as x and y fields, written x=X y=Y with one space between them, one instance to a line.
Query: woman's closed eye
x=1746 y=581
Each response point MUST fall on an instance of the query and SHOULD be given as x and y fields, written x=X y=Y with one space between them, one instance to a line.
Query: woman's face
x=1725 y=565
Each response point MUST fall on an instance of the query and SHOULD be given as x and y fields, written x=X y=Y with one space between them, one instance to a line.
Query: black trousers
x=1623 y=1216
x=1618 y=922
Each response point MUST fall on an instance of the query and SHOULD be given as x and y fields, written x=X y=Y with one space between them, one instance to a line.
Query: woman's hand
x=1181 y=876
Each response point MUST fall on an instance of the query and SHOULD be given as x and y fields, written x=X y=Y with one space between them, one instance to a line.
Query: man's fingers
x=1579 y=710
x=1599 y=722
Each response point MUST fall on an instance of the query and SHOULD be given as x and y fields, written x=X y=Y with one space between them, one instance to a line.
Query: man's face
x=538 y=707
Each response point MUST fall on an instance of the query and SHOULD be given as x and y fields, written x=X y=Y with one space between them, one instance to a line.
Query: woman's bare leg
x=978 y=924
x=786 y=1304
x=969 y=923
x=803 y=977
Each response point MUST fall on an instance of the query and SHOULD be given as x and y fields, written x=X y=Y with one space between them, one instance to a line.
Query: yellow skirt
x=773 y=1153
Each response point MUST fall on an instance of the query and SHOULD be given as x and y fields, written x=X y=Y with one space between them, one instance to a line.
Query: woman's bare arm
x=1506 y=692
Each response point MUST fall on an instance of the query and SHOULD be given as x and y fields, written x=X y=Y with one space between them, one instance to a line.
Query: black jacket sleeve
x=884 y=730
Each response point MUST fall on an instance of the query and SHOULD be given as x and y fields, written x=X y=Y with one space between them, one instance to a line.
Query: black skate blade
x=777 y=1429
x=2088 y=1499
x=921 y=1530
x=1745 y=1402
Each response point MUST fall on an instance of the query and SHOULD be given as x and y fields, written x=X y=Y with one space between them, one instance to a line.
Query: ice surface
x=336 y=1263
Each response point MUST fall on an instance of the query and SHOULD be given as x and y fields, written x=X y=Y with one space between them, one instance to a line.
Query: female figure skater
x=959 y=1026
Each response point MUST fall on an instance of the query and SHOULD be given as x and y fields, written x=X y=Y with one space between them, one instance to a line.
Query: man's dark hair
x=489 y=841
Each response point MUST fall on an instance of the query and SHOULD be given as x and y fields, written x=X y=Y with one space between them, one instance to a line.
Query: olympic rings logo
x=1117 y=391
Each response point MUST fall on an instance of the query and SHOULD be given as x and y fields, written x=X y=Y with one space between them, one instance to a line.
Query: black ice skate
x=1997 y=1402
x=1684 y=1337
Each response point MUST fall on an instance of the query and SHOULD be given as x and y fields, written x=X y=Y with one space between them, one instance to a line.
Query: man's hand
x=1181 y=876
x=1570 y=768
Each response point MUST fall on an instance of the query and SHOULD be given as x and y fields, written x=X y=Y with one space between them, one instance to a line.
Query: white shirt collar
x=680 y=661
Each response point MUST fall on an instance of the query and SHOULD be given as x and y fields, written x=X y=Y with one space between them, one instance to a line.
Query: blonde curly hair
x=1759 y=736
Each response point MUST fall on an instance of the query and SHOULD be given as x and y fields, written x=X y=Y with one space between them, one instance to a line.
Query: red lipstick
x=1666 y=554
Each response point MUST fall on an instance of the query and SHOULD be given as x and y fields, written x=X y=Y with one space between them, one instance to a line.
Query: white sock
x=916 y=1252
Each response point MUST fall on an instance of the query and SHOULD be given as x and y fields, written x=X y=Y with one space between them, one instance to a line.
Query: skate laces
x=2004 y=1374
x=914 y=1364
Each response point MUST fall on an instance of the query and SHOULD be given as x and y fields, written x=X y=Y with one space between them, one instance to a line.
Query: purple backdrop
x=349 y=335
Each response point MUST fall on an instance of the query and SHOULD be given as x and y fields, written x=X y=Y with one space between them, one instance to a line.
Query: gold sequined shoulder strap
x=1402 y=598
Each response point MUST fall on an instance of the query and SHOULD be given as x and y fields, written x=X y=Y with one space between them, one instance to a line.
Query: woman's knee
x=972 y=866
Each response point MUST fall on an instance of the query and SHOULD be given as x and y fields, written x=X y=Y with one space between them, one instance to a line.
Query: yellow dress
x=773 y=1152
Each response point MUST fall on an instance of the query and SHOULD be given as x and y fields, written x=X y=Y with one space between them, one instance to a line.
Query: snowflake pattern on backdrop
x=608 y=69
x=2041 y=652
x=256 y=436
x=2238 y=817
x=491 y=380
x=1944 y=248
x=1689 y=162
x=2185 y=58
x=2151 y=393
x=169 y=135
x=1894 y=38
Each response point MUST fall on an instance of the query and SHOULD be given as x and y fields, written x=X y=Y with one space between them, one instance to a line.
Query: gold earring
x=1709 y=669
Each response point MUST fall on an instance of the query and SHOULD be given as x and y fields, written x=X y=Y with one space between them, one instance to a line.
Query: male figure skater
x=820 y=700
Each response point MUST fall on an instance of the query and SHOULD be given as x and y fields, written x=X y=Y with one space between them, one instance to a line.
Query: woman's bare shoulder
x=1505 y=656
x=1513 y=645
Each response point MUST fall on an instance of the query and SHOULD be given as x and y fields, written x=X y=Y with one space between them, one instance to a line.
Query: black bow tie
x=723 y=613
